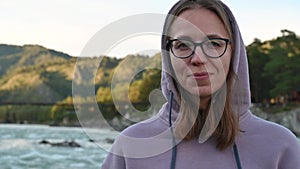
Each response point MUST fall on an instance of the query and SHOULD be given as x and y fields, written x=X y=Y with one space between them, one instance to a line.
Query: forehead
x=197 y=24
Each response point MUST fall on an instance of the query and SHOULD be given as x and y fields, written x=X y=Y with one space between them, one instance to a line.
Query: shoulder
x=271 y=143
x=144 y=139
x=146 y=128
x=260 y=126
x=268 y=132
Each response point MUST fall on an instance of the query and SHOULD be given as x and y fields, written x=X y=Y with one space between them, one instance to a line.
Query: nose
x=198 y=57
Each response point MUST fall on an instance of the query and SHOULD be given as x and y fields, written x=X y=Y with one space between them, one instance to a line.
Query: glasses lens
x=182 y=48
x=214 y=47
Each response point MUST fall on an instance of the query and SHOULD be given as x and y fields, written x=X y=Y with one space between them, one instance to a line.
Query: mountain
x=17 y=57
x=33 y=73
x=34 y=80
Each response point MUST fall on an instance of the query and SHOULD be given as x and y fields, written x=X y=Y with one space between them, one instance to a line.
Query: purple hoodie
x=261 y=145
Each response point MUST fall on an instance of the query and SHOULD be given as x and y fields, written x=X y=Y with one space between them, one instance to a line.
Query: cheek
x=179 y=67
x=227 y=60
x=226 y=65
x=222 y=65
x=221 y=68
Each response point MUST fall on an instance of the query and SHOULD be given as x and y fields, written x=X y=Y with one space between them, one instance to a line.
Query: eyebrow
x=209 y=36
x=184 y=37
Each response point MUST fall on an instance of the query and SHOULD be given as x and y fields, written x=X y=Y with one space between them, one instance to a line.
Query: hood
x=241 y=88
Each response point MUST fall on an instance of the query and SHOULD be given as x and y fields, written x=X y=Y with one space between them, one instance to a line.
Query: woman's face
x=199 y=74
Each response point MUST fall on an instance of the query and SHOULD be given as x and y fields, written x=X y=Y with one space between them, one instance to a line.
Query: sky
x=68 y=25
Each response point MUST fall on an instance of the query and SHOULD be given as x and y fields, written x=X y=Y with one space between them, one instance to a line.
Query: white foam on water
x=20 y=148
x=14 y=143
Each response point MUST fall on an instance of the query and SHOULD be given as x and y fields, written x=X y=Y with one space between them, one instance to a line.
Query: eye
x=213 y=43
x=182 y=45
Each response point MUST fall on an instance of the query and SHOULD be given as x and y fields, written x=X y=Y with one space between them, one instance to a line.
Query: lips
x=200 y=76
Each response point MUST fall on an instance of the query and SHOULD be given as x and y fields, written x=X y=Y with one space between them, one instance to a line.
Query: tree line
x=274 y=68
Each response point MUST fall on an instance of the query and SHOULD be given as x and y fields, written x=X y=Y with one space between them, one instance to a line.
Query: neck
x=204 y=101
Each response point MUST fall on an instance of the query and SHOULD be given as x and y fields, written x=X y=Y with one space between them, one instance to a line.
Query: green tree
x=284 y=64
x=150 y=81
x=258 y=58
x=104 y=95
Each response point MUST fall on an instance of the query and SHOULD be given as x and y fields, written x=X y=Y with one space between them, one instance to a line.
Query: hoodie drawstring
x=173 y=160
x=237 y=157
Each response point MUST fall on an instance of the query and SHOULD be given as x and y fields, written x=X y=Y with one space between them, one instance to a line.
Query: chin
x=203 y=91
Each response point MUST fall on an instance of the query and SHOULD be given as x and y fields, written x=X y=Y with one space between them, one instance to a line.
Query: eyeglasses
x=213 y=47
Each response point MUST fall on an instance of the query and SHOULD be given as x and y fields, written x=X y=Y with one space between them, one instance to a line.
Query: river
x=20 y=148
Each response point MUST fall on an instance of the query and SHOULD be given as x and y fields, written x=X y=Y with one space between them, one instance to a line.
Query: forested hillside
x=274 y=68
x=34 y=81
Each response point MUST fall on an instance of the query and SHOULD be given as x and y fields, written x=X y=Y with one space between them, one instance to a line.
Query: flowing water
x=20 y=148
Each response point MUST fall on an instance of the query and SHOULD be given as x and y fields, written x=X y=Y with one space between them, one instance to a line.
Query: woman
x=206 y=122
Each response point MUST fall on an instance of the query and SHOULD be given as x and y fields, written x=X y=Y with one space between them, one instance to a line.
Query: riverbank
x=289 y=119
